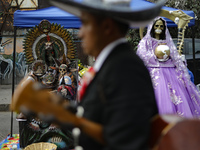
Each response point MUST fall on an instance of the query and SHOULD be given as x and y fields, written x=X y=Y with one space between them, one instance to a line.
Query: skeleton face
x=63 y=69
x=158 y=27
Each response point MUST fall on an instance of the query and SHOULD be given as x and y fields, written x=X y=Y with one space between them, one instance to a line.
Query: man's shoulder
x=124 y=52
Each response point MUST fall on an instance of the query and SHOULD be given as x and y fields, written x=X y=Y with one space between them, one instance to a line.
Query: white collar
x=105 y=52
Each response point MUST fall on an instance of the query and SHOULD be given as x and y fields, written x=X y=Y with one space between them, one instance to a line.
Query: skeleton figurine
x=65 y=83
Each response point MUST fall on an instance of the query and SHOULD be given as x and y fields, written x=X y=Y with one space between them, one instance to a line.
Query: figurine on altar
x=49 y=52
x=65 y=88
x=174 y=91
x=66 y=77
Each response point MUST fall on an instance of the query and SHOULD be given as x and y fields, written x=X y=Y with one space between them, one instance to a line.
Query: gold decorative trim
x=35 y=39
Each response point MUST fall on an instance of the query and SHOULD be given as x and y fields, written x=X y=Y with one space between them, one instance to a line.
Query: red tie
x=85 y=81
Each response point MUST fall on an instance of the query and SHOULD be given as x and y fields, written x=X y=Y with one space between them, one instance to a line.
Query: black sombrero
x=118 y=9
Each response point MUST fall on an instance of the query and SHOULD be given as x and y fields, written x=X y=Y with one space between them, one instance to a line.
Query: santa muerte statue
x=174 y=91
x=51 y=55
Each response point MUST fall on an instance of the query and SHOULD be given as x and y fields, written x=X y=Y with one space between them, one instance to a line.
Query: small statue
x=49 y=52
x=65 y=84
x=39 y=68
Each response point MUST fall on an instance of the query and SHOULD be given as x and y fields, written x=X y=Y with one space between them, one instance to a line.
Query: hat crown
x=116 y=1
x=111 y=2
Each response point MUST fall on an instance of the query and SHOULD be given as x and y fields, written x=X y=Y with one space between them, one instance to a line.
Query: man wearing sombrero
x=118 y=98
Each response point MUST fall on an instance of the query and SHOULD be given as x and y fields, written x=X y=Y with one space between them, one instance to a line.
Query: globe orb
x=162 y=52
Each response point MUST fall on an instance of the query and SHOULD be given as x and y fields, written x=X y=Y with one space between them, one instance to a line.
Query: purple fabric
x=174 y=91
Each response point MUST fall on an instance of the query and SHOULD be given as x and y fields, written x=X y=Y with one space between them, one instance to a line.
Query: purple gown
x=174 y=91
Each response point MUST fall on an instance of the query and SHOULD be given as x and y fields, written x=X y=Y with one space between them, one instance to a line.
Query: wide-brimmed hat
x=122 y=10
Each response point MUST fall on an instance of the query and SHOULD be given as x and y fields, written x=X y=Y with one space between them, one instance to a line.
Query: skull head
x=63 y=69
x=158 y=27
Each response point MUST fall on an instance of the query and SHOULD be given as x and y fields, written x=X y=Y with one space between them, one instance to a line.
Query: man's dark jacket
x=121 y=98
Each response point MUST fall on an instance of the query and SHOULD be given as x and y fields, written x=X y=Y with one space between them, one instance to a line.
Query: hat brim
x=135 y=17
